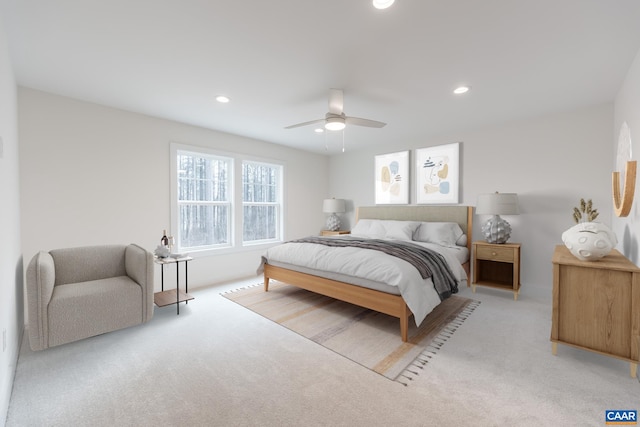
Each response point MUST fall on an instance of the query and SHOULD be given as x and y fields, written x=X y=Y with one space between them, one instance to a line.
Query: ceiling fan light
x=382 y=4
x=334 y=123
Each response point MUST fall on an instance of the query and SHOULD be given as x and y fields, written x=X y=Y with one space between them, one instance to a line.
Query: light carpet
x=367 y=337
x=219 y=364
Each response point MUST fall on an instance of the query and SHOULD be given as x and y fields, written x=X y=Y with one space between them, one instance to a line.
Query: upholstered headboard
x=463 y=215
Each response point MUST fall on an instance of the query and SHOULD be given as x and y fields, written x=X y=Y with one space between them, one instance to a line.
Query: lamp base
x=496 y=230
x=333 y=222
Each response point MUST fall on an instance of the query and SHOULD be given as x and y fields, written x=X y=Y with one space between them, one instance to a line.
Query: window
x=204 y=200
x=224 y=200
x=260 y=202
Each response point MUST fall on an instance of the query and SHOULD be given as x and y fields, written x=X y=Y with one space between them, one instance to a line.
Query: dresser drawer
x=495 y=253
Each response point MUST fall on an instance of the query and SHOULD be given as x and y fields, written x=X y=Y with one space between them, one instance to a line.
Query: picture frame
x=437 y=174
x=392 y=178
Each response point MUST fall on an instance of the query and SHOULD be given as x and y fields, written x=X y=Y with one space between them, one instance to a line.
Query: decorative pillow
x=441 y=233
x=370 y=228
x=385 y=229
x=400 y=230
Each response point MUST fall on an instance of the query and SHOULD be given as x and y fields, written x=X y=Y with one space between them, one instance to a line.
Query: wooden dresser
x=596 y=305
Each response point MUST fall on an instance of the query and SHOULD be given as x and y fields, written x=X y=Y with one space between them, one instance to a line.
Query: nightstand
x=497 y=266
x=334 y=233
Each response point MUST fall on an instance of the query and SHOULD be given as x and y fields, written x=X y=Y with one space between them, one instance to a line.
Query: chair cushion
x=111 y=304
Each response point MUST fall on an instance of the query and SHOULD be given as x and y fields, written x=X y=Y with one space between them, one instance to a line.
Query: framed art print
x=437 y=172
x=392 y=178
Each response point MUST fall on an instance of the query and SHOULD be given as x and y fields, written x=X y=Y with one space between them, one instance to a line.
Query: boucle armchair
x=81 y=292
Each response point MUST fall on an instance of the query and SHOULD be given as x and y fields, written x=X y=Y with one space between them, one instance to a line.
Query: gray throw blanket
x=428 y=262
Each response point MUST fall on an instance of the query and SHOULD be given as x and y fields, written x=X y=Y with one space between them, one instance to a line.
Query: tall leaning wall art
x=437 y=171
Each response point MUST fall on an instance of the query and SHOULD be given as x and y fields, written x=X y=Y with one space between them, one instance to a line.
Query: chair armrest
x=139 y=267
x=41 y=276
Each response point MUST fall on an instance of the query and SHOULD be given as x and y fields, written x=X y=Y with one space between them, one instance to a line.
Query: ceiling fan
x=335 y=119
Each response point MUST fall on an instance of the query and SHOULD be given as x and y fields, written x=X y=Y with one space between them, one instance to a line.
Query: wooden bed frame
x=382 y=302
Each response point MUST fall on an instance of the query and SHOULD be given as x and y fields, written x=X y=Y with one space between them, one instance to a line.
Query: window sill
x=204 y=253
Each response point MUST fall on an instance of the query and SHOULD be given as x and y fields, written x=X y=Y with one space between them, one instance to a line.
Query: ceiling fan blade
x=305 y=123
x=336 y=101
x=364 y=122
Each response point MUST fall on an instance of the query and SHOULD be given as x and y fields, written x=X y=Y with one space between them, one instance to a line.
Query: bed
x=374 y=293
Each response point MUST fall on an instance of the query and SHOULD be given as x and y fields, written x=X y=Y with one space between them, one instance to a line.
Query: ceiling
x=276 y=60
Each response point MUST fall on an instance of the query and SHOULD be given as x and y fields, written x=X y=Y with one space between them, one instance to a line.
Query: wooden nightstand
x=497 y=266
x=334 y=233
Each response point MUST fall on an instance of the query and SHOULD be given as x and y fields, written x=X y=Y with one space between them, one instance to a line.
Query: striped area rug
x=366 y=337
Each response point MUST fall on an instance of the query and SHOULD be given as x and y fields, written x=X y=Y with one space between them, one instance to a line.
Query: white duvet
x=419 y=293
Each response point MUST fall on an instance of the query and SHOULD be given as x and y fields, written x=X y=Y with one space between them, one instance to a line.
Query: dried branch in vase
x=585 y=213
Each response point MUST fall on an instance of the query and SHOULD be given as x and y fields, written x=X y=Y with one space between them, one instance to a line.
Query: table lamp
x=496 y=229
x=333 y=206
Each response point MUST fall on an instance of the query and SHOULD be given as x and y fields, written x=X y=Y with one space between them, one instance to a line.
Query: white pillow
x=441 y=233
x=370 y=228
x=400 y=230
x=385 y=229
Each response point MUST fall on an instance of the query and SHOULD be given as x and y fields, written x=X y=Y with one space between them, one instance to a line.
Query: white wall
x=11 y=294
x=627 y=109
x=93 y=175
x=551 y=162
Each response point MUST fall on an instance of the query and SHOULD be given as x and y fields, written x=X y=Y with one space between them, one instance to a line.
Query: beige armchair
x=81 y=292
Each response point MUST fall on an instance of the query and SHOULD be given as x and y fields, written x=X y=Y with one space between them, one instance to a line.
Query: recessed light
x=382 y=4
x=318 y=130
x=222 y=99
x=461 y=89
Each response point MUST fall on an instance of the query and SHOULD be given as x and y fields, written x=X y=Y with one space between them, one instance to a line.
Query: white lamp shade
x=333 y=206
x=497 y=204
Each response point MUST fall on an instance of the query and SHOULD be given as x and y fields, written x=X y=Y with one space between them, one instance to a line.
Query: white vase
x=589 y=241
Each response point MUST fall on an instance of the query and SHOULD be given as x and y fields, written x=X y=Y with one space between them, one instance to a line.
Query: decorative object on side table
x=496 y=229
x=588 y=240
x=332 y=207
x=163 y=250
